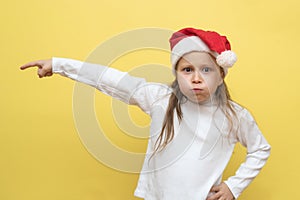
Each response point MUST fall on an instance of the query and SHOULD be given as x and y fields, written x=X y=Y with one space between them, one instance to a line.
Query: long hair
x=167 y=132
x=223 y=99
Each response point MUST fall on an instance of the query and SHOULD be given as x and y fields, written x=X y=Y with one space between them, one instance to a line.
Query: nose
x=197 y=78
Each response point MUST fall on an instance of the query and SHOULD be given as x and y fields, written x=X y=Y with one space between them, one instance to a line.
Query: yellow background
x=42 y=156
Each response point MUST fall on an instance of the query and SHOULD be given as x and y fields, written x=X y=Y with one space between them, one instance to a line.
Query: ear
x=222 y=76
x=220 y=81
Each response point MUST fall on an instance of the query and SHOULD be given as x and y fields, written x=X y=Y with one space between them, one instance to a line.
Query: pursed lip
x=197 y=90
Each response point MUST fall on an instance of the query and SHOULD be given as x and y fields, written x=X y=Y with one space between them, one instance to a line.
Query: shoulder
x=149 y=94
x=242 y=112
x=158 y=91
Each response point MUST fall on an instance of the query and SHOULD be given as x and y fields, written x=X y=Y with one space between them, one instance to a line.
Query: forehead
x=197 y=58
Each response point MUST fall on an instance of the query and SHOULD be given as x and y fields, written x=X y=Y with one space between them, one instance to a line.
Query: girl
x=195 y=124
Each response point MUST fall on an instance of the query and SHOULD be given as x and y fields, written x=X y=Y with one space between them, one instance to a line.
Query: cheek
x=213 y=82
x=181 y=84
x=182 y=81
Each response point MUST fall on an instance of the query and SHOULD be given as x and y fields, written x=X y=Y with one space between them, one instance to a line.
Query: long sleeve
x=258 y=151
x=119 y=85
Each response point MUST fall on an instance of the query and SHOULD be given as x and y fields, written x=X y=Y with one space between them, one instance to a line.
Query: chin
x=199 y=101
x=203 y=101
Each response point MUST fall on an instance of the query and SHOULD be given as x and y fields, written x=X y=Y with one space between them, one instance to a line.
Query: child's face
x=198 y=76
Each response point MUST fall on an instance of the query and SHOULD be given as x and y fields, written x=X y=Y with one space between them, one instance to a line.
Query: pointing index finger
x=31 y=64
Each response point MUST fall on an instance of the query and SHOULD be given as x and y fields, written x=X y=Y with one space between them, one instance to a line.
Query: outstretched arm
x=44 y=67
x=115 y=83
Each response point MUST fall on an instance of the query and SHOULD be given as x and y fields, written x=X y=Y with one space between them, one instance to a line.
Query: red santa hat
x=189 y=39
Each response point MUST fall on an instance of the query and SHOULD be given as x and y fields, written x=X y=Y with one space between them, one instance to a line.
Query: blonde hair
x=223 y=100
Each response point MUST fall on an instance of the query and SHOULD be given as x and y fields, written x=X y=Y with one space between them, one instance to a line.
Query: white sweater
x=195 y=159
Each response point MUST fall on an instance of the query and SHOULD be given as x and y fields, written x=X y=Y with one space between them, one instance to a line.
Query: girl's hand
x=221 y=192
x=44 y=67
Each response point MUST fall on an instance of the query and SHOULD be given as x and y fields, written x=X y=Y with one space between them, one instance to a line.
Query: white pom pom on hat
x=226 y=59
x=189 y=39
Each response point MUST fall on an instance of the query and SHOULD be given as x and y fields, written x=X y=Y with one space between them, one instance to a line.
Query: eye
x=187 y=69
x=206 y=69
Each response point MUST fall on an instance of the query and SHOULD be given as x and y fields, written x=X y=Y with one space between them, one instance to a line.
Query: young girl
x=195 y=124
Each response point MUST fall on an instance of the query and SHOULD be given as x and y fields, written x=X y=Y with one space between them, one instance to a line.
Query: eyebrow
x=186 y=64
